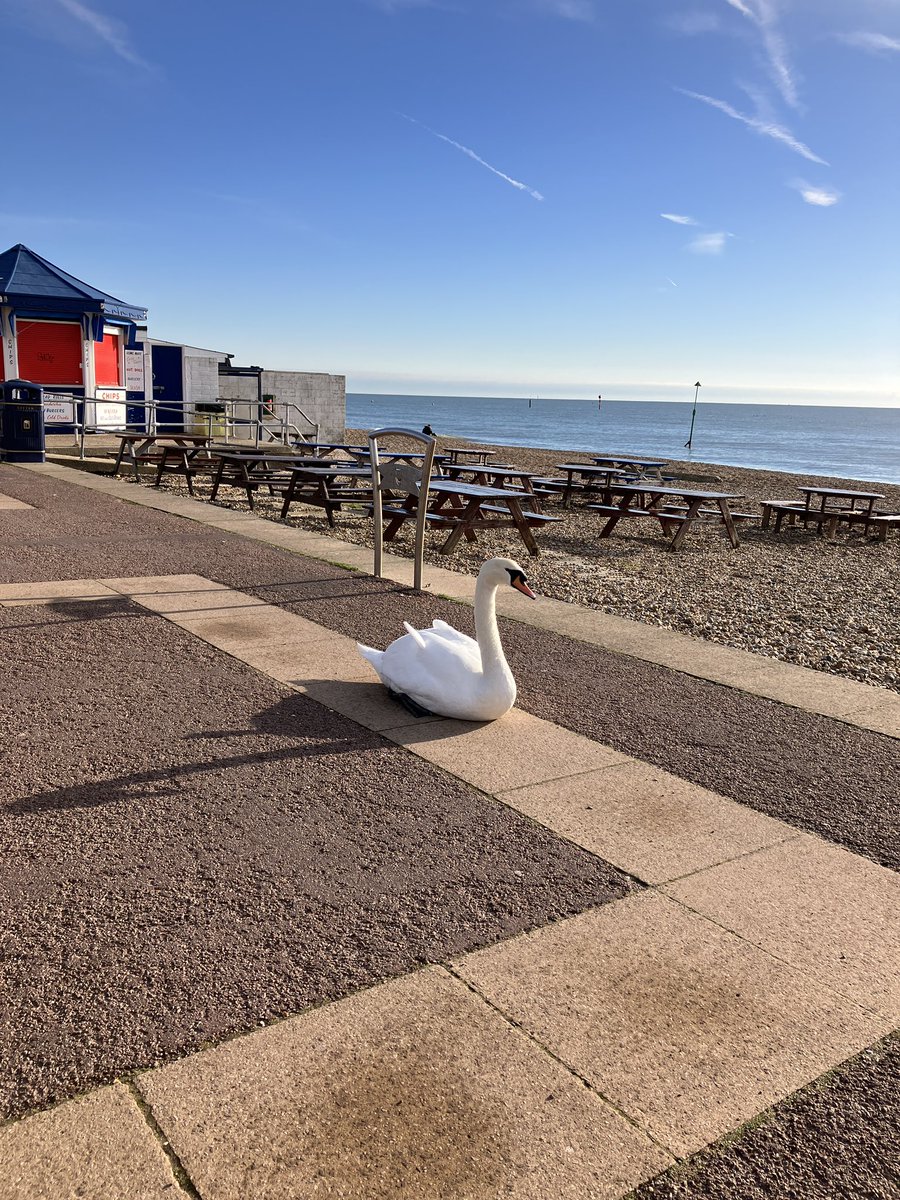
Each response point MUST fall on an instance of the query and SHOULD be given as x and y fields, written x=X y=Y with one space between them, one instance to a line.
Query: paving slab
x=98 y=1147
x=363 y=701
x=308 y=662
x=518 y=749
x=415 y=1090
x=818 y=907
x=162 y=585
x=10 y=504
x=13 y=595
x=645 y=820
x=687 y=1028
x=884 y=718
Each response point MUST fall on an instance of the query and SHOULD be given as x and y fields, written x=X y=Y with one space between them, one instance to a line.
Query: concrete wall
x=201 y=380
x=321 y=397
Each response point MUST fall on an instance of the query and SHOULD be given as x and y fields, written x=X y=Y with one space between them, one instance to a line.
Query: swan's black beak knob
x=520 y=583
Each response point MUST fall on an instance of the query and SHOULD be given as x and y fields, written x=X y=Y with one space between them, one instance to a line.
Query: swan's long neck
x=493 y=660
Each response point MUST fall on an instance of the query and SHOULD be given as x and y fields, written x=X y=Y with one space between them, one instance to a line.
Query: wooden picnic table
x=322 y=487
x=139 y=448
x=297 y=477
x=493 y=476
x=637 y=466
x=654 y=500
x=593 y=479
x=464 y=508
x=461 y=453
x=834 y=507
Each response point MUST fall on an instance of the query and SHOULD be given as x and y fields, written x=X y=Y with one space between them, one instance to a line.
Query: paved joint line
x=830 y=987
x=626 y=760
x=794 y=836
x=567 y=1067
x=182 y=1177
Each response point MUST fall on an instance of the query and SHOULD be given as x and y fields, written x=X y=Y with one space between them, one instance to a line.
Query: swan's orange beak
x=520 y=583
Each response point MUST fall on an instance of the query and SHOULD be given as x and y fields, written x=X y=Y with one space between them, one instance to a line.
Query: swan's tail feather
x=372 y=656
x=415 y=635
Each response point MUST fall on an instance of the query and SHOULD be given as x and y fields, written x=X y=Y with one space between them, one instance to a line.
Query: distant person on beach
x=426 y=429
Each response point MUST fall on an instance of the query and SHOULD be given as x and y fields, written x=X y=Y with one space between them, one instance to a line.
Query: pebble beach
x=794 y=596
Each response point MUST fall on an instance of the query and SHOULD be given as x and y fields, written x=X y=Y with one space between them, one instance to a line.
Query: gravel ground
x=792 y=596
x=190 y=853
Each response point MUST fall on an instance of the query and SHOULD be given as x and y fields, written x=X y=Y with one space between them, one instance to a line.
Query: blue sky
x=506 y=197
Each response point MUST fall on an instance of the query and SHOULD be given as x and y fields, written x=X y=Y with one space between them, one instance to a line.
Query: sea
x=848 y=443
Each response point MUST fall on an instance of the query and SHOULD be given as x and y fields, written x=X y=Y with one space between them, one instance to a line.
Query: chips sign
x=59 y=408
x=107 y=410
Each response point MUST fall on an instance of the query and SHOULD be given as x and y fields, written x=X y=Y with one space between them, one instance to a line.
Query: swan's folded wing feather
x=442 y=668
x=414 y=634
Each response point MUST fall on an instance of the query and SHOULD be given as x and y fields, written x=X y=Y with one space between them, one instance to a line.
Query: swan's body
x=447 y=673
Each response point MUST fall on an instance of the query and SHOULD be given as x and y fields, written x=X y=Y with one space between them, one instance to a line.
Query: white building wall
x=322 y=397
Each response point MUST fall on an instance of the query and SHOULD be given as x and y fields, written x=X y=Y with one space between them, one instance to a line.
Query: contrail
x=523 y=187
x=778 y=132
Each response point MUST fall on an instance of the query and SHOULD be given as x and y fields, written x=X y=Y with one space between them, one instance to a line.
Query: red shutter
x=49 y=351
x=106 y=361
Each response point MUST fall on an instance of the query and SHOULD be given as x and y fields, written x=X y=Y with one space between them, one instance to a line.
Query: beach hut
x=65 y=334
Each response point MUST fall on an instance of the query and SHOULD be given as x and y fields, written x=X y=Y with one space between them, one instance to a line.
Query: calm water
x=851 y=443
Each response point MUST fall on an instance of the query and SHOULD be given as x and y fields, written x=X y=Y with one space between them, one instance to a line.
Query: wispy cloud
x=693 y=22
x=708 y=243
x=571 y=10
x=767 y=128
x=819 y=196
x=672 y=281
x=516 y=183
x=875 y=43
x=678 y=219
x=112 y=32
x=764 y=15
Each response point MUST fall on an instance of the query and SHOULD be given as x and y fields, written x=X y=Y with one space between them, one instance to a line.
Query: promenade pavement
x=270 y=936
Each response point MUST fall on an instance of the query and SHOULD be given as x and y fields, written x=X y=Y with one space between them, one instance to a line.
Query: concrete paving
x=575 y=1060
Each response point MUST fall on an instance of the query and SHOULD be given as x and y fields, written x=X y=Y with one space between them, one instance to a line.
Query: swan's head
x=505 y=571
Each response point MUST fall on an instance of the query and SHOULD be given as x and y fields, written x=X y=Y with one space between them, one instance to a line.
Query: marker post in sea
x=687 y=444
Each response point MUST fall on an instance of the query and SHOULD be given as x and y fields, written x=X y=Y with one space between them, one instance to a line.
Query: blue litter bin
x=22 y=422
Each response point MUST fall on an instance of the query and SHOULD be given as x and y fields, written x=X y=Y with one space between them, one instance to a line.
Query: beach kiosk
x=79 y=343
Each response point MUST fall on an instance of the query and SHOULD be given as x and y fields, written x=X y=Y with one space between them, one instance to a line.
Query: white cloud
x=112 y=32
x=678 y=220
x=708 y=243
x=767 y=128
x=818 y=196
x=875 y=43
x=516 y=183
x=764 y=15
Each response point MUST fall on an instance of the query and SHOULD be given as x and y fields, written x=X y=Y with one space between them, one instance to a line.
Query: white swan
x=442 y=672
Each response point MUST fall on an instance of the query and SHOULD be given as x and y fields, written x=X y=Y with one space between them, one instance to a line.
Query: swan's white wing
x=430 y=674
x=442 y=630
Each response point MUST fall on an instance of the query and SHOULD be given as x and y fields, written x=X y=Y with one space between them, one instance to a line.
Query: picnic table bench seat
x=661 y=514
x=780 y=509
x=882 y=522
x=712 y=512
x=530 y=516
